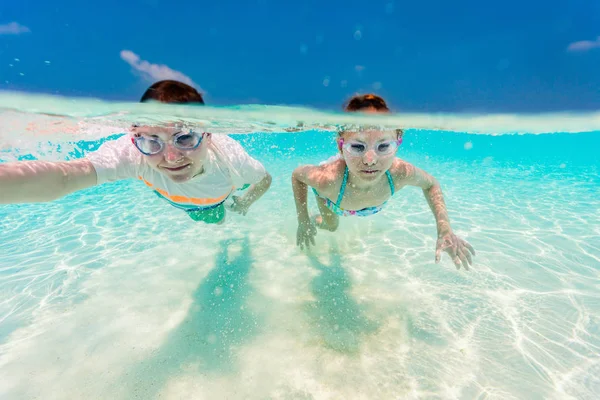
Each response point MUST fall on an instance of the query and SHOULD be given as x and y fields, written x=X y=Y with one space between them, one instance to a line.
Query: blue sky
x=428 y=56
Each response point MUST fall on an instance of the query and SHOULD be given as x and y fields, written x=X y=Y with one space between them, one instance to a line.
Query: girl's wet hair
x=366 y=101
x=362 y=103
x=174 y=92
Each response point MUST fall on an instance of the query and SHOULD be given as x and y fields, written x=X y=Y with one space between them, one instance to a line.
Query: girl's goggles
x=358 y=149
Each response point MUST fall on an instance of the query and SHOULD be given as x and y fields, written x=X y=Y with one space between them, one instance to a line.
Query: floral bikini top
x=365 y=212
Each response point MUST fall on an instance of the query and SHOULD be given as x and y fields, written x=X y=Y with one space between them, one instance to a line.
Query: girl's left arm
x=459 y=250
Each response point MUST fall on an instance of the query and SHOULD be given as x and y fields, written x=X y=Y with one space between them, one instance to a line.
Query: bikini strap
x=343 y=188
x=390 y=181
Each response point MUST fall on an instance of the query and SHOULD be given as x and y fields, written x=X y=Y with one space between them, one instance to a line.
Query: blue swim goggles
x=186 y=141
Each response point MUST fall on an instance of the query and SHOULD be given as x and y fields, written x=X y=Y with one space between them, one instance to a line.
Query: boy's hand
x=240 y=205
x=458 y=249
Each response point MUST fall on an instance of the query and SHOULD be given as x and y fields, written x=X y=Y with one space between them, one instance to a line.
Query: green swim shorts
x=211 y=215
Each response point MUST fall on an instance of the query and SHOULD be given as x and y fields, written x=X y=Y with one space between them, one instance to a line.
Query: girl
x=361 y=180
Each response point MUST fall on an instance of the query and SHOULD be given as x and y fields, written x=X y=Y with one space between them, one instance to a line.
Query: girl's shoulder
x=401 y=169
x=323 y=177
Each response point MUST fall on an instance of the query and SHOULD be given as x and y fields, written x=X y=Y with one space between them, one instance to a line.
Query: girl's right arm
x=306 y=229
x=41 y=181
x=300 y=187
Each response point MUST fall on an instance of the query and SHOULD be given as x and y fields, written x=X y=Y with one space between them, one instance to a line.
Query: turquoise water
x=111 y=293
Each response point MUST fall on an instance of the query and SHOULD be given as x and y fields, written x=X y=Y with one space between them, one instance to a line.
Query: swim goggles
x=185 y=141
x=358 y=149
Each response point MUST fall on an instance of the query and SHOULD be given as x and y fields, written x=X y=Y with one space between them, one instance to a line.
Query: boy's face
x=175 y=163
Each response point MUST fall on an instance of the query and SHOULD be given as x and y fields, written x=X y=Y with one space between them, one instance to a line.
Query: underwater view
x=315 y=200
x=109 y=292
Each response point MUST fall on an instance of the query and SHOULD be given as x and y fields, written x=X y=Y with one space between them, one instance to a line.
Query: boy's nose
x=172 y=154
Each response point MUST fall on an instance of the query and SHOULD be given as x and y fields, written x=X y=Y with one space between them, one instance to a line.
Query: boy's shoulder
x=228 y=148
x=121 y=145
x=226 y=142
x=229 y=154
x=116 y=159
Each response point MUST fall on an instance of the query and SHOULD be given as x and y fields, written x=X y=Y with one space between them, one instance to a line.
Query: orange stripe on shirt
x=184 y=199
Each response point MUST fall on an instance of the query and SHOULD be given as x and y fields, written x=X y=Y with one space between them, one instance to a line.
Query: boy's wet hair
x=175 y=92
x=366 y=101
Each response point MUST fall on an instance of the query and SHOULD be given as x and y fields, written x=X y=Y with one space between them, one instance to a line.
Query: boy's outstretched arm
x=41 y=181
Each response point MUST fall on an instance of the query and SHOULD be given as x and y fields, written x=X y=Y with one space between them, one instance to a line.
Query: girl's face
x=370 y=153
x=174 y=161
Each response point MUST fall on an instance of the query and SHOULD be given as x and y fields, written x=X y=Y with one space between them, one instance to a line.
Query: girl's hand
x=306 y=234
x=458 y=249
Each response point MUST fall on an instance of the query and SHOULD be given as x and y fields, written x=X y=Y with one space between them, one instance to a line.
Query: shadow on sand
x=338 y=319
x=217 y=324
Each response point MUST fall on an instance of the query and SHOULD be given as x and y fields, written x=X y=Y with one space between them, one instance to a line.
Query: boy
x=193 y=171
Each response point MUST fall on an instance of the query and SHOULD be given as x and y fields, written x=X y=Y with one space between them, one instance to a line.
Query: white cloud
x=584 y=45
x=13 y=28
x=154 y=72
